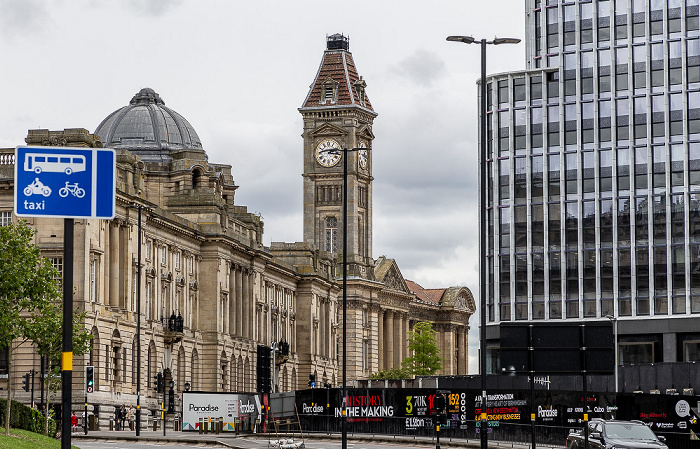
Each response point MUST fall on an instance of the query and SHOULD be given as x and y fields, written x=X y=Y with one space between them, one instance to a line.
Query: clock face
x=328 y=152
x=362 y=155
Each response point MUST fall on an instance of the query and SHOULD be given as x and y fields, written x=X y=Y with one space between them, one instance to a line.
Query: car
x=615 y=434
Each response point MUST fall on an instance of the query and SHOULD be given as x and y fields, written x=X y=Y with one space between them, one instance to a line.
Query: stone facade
x=203 y=261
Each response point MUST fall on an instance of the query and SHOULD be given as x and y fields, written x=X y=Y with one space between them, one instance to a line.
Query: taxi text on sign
x=65 y=182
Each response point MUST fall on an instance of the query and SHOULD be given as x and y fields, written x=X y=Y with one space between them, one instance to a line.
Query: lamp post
x=344 y=441
x=617 y=361
x=139 y=207
x=482 y=220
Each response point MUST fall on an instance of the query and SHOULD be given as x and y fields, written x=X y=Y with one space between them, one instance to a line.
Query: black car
x=613 y=434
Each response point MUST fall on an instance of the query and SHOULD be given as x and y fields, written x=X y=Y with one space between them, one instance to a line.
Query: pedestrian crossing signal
x=89 y=379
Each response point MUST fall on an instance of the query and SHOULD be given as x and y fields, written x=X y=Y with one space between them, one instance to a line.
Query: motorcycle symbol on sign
x=71 y=188
x=37 y=188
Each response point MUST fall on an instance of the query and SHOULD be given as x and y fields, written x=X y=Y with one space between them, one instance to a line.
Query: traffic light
x=263 y=383
x=439 y=403
x=89 y=379
x=158 y=383
x=312 y=380
x=171 y=400
x=25 y=382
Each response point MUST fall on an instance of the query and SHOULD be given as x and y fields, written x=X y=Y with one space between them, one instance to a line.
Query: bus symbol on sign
x=69 y=163
x=65 y=182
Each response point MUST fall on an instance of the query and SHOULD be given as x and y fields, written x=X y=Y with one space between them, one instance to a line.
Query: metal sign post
x=66 y=183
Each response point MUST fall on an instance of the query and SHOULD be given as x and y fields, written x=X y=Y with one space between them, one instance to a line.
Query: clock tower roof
x=337 y=83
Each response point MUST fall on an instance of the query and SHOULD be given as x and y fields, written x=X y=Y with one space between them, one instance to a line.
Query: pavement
x=255 y=441
x=266 y=440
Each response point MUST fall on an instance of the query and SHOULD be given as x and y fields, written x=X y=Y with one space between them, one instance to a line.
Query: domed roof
x=148 y=128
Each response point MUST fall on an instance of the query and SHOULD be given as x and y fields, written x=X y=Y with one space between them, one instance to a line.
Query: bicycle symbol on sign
x=71 y=188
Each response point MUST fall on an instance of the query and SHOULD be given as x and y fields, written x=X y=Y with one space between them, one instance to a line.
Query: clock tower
x=338 y=119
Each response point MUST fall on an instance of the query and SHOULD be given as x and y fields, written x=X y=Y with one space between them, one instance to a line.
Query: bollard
x=206 y=426
x=221 y=424
x=201 y=425
x=155 y=424
x=111 y=424
x=235 y=425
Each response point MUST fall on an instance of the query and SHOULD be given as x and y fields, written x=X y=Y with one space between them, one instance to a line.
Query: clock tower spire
x=338 y=118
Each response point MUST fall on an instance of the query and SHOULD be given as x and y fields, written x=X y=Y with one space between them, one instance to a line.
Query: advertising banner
x=233 y=408
x=413 y=410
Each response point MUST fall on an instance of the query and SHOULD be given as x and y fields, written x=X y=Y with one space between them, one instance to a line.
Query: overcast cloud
x=238 y=72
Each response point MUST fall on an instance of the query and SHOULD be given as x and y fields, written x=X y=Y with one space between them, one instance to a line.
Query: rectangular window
x=535 y=89
x=691 y=351
x=635 y=353
x=93 y=280
x=519 y=91
x=5 y=218
x=57 y=263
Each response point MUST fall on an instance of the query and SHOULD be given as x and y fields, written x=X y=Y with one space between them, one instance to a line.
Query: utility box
x=92 y=422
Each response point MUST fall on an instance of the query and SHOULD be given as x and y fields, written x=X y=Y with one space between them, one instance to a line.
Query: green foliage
x=28 y=285
x=27 y=280
x=46 y=331
x=425 y=361
x=23 y=417
x=394 y=373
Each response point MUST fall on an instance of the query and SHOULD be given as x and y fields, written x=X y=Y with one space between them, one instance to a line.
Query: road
x=237 y=444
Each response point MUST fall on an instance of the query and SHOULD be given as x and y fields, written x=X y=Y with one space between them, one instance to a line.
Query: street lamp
x=138 y=320
x=482 y=219
x=617 y=362
x=344 y=440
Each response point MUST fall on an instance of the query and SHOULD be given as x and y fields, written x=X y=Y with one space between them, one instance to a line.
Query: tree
x=27 y=283
x=45 y=330
x=425 y=360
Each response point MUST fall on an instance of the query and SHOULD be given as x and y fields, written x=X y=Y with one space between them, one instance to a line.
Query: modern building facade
x=204 y=264
x=594 y=175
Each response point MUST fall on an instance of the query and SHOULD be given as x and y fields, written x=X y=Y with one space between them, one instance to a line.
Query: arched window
x=134 y=352
x=152 y=364
x=224 y=372
x=194 y=379
x=196 y=178
x=331 y=229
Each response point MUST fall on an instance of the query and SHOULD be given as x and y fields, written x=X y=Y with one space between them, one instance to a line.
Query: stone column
x=246 y=307
x=450 y=349
x=390 y=331
x=251 y=301
x=232 y=301
x=380 y=340
x=239 y=300
x=114 y=264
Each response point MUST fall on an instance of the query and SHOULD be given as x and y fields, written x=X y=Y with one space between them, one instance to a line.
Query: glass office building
x=593 y=184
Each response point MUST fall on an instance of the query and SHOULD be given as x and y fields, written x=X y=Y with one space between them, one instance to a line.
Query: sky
x=238 y=71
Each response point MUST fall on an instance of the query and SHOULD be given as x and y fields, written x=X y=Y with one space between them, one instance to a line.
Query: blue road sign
x=65 y=182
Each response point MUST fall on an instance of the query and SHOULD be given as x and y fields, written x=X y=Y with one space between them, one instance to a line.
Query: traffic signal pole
x=67 y=356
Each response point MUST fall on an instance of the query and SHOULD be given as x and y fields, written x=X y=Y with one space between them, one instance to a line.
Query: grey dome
x=148 y=128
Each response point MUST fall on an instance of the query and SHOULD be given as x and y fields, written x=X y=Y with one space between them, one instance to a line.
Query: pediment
x=365 y=133
x=387 y=272
x=328 y=130
x=460 y=298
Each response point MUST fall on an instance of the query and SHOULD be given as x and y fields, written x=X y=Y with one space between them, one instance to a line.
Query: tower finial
x=337 y=42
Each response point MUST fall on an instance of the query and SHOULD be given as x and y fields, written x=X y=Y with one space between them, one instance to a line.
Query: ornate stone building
x=204 y=264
